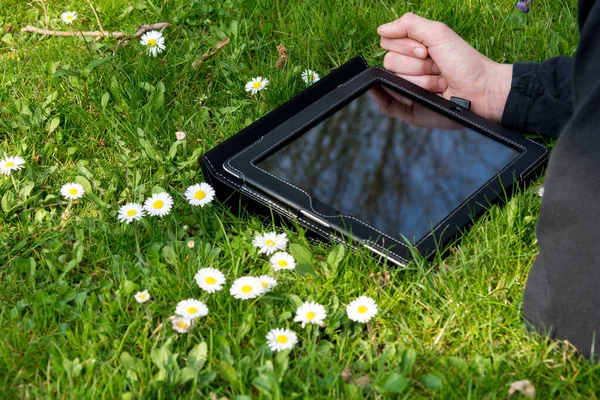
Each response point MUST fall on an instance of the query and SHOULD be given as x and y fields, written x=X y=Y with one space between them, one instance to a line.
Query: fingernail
x=385 y=26
x=419 y=52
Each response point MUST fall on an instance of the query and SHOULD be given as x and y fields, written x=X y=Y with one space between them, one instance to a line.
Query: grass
x=69 y=325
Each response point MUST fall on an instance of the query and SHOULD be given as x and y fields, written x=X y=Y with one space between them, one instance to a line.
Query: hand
x=433 y=56
x=394 y=105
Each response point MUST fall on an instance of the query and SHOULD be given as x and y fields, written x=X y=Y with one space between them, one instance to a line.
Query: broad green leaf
x=393 y=383
x=104 y=100
x=66 y=72
x=409 y=357
x=197 y=356
x=7 y=201
x=25 y=191
x=173 y=149
x=303 y=259
x=53 y=124
x=228 y=373
x=336 y=256
x=187 y=374
x=87 y=186
x=431 y=381
x=96 y=63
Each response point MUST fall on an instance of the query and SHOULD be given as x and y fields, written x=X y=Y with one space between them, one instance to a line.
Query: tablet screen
x=394 y=164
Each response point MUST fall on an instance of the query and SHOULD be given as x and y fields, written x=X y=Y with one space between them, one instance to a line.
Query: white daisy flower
x=191 y=308
x=180 y=135
x=10 y=164
x=256 y=84
x=68 y=16
x=155 y=42
x=540 y=191
x=281 y=339
x=246 y=287
x=181 y=324
x=282 y=260
x=210 y=279
x=142 y=297
x=270 y=242
x=201 y=99
x=267 y=282
x=130 y=212
x=200 y=194
x=362 y=309
x=158 y=204
x=72 y=191
x=309 y=76
x=191 y=244
x=310 y=313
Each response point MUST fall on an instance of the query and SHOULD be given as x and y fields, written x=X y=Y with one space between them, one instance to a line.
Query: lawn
x=70 y=326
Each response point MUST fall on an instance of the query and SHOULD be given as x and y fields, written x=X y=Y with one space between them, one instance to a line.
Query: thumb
x=414 y=27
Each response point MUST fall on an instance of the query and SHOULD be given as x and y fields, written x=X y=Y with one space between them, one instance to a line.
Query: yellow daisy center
x=181 y=324
x=282 y=339
x=265 y=284
x=210 y=280
x=151 y=42
x=73 y=191
x=131 y=213
x=142 y=297
x=270 y=242
x=192 y=310
x=200 y=195
x=310 y=315
x=246 y=289
x=10 y=164
x=257 y=84
x=362 y=309
x=158 y=204
x=69 y=17
x=282 y=263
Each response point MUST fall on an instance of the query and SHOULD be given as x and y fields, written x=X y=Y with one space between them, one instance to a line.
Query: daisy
x=68 y=16
x=191 y=244
x=256 y=84
x=191 y=308
x=159 y=204
x=155 y=42
x=72 y=191
x=11 y=163
x=180 y=135
x=282 y=260
x=130 y=212
x=267 y=282
x=142 y=297
x=181 y=324
x=200 y=194
x=246 y=287
x=540 y=190
x=310 y=313
x=270 y=242
x=362 y=309
x=309 y=76
x=210 y=279
x=281 y=339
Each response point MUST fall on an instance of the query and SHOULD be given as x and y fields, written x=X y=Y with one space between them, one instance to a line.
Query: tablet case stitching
x=326 y=234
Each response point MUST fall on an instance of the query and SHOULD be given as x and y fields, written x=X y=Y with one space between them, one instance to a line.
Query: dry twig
x=211 y=54
x=97 y=19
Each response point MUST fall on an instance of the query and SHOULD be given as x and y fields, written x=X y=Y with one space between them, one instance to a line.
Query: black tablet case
x=229 y=190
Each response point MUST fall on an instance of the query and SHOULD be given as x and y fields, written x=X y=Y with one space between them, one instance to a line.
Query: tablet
x=386 y=166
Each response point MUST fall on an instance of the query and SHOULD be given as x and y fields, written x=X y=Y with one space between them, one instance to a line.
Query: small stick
x=45 y=11
x=97 y=19
x=47 y=32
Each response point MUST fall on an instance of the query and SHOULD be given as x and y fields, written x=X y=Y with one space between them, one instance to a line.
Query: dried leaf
x=362 y=381
x=524 y=387
x=209 y=55
x=346 y=374
x=283 y=56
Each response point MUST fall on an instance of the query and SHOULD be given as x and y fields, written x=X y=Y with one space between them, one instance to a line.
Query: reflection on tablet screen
x=402 y=168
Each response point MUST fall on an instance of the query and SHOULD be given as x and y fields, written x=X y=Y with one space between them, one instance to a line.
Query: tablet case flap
x=227 y=188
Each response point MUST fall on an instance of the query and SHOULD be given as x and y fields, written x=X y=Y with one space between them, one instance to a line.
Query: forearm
x=540 y=97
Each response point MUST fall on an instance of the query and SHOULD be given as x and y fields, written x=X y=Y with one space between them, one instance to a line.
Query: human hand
x=394 y=105
x=433 y=56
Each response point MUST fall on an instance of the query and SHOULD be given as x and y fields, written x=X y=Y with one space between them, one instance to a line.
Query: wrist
x=497 y=90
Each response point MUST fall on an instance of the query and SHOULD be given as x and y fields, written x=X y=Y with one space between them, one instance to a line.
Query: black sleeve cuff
x=521 y=95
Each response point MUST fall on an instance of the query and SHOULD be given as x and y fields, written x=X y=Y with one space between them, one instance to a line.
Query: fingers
x=401 y=64
x=408 y=47
x=433 y=83
x=414 y=27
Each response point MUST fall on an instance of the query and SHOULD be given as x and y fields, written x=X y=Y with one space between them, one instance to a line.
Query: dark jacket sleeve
x=541 y=97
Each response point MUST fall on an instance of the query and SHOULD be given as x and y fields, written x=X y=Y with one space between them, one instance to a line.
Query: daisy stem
x=137 y=240
x=66 y=215
x=14 y=183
